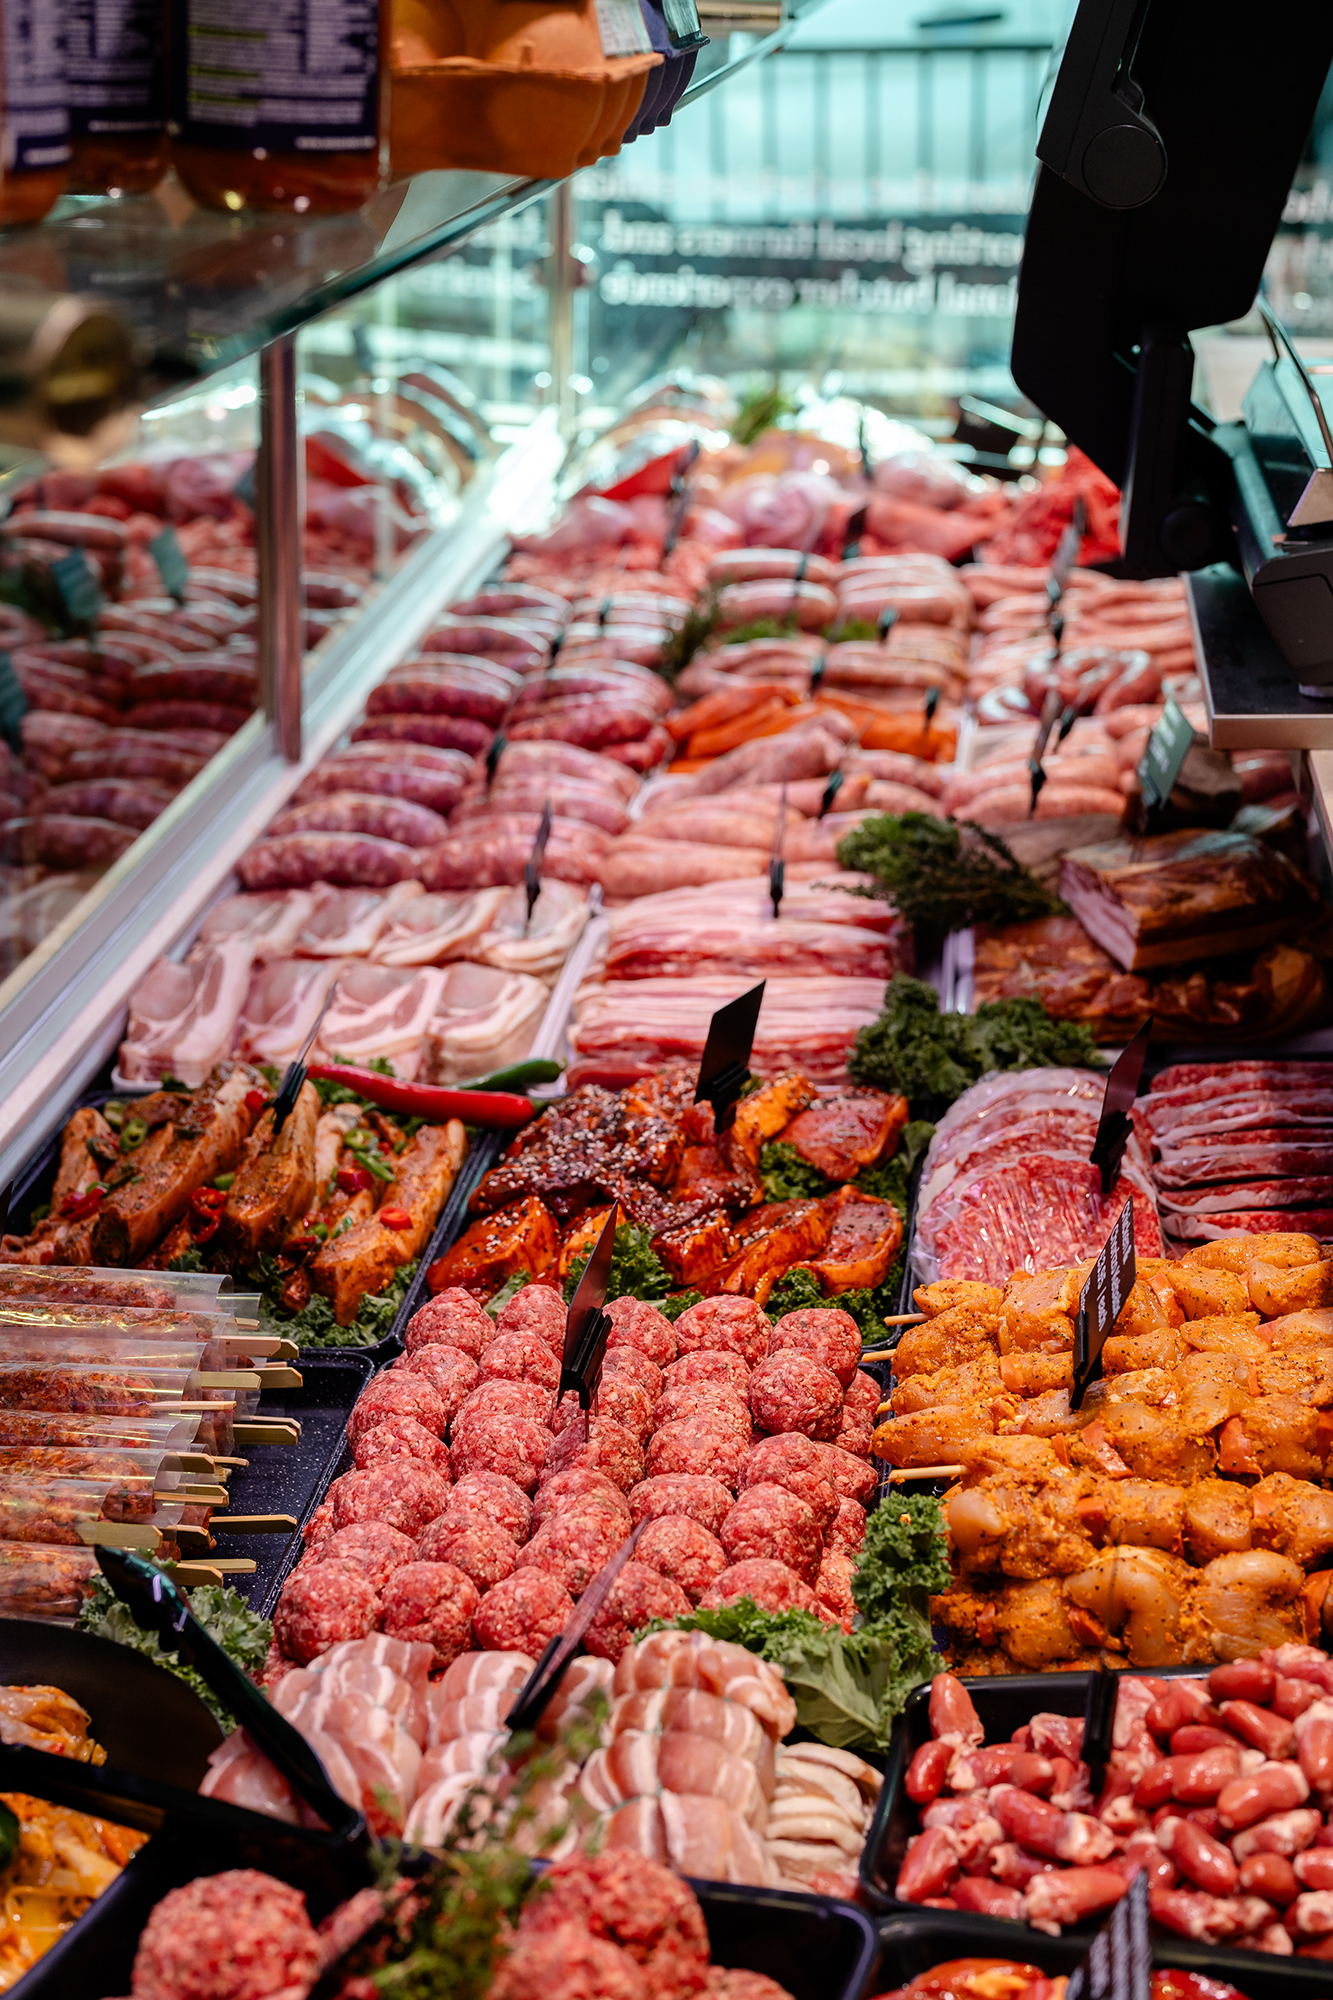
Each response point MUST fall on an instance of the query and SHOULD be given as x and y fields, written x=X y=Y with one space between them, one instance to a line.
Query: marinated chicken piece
x=1162 y=1349
x=579 y=1152
x=364 y=1260
x=1217 y=1519
x=1036 y=1374
x=691 y=1253
x=946 y=1293
x=715 y=1172
x=1292 y=1517
x=522 y=1237
x=866 y=1236
x=933 y=1437
x=1283 y=1248
x=1036 y=1315
x=843 y=1133
x=87 y=1145
x=961 y=1333
x=219 y=1122
x=1025 y=1529
x=1240 y=1604
x=973 y=1382
x=275 y=1184
x=1137 y=1595
x=770 y=1110
x=773 y=1238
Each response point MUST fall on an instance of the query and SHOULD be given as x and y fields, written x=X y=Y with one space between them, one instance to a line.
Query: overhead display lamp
x=1170 y=140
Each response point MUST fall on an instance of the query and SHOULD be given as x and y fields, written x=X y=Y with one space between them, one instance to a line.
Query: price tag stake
x=538 y=1690
x=587 y=1327
x=726 y=1058
x=777 y=867
x=532 y=867
x=1109 y=1284
x=285 y=1102
x=499 y=744
x=1115 y=1124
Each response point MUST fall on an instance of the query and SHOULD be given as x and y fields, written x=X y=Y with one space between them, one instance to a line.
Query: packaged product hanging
x=276 y=103
x=514 y=87
x=117 y=96
x=34 y=110
x=673 y=28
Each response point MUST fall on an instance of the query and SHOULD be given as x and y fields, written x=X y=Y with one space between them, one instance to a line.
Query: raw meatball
x=710 y=1364
x=636 y=1903
x=520 y=1357
x=453 y=1316
x=699 y=1445
x=480 y=1548
x=705 y=1500
x=833 y=1586
x=629 y=1364
x=639 y=1325
x=772 y=1585
x=736 y=1983
x=826 y=1334
x=372 y=1546
x=397 y=1490
x=574 y=1544
x=790 y=1392
x=450 y=1372
x=624 y=1402
x=523 y=1614
x=864 y=1394
x=712 y=1400
x=852 y=1478
x=637 y=1596
x=319 y=1527
x=538 y=1309
x=496 y=1499
x=737 y=1325
x=431 y=1604
x=239 y=1935
x=767 y=1521
x=401 y=1437
x=321 y=1605
x=515 y=1446
x=503 y=1399
x=683 y=1551
x=569 y=1963
x=396 y=1393
x=848 y=1529
x=856 y=1436
x=602 y=1446
x=580 y=1486
x=799 y=1464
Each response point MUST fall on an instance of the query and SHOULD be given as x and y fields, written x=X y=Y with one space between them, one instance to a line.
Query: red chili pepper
x=351 y=1180
x=203 y=1225
x=255 y=1101
x=76 y=1207
x=501 y=1108
x=209 y=1200
x=394 y=1217
x=300 y=1246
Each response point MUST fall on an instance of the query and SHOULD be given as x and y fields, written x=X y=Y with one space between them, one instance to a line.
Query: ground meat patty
x=856 y=1437
x=713 y=1401
x=833 y=1585
x=864 y=1394
x=482 y=1549
x=790 y=1392
x=373 y=1546
x=826 y=1334
x=637 y=1596
x=401 y=1437
x=636 y=1903
x=579 y=1486
x=569 y=1963
x=239 y=1935
x=799 y=1464
x=397 y=1490
x=454 y=1317
x=735 y=1983
x=319 y=1527
x=710 y=1364
x=702 y=1498
x=699 y=1445
x=682 y=1551
x=769 y=1522
x=772 y=1585
x=494 y=1498
x=515 y=1446
x=431 y=1604
x=636 y=1324
x=737 y=1325
x=629 y=1364
x=852 y=1478
x=538 y=1309
x=602 y=1445
x=574 y=1544
x=451 y=1373
x=521 y=1356
x=396 y=1393
x=523 y=1614
x=503 y=1399
x=848 y=1527
x=624 y=1402
x=321 y=1605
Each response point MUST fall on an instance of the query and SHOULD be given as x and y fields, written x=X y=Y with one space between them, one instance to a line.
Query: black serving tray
x=913 y=1940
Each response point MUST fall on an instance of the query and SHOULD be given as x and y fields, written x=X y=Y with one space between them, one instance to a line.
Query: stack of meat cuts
x=1008 y=1184
x=1241 y=1146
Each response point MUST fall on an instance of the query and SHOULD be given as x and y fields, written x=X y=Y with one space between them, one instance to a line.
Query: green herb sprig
x=939 y=881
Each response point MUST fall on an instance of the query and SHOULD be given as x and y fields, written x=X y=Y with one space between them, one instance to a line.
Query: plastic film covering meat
x=38 y=1582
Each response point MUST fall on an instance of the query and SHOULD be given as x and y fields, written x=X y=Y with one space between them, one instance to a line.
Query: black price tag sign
x=1160 y=764
x=817 y=673
x=13 y=704
x=777 y=867
x=1066 y=554
x=726 y=1058
x=78 y=587
x=856 y=527
x=532 y=867
x=1109 y=1284
x=1099 y=1721
x=888 y=618
x=1119 y=1964
x=535 y=1695
x=587 y=1327
x=831 y=790
x=499 y=744
x=172 y=567
x=1115 y=1124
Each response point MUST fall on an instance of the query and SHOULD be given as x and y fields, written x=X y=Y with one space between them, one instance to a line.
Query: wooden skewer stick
x=254 y=1524
x=118 y=1535
x=902 y=1474
x=192 y=1573
x=877 y=1354
x=905 y=1319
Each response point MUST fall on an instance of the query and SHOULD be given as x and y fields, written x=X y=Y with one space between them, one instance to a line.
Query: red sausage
x=1203 y=1860
x=1259 y=1727
x=1314 y=1868
x=1242 y=1680
x=1180 y=1703
x=1192 y=1737
x=1291 y=1698
x=1197 y=1780
x=930 y=1866
x=1033 y=1774
x=1270 y=1876
x=953 y=1715
x=926 y=1772
x=1273 y=1788
x=989 y=1899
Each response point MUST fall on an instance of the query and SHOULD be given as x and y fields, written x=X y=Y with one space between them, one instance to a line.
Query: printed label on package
x=620 y=25
x=276 y=76
x=34 y=132
x=116 y=82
